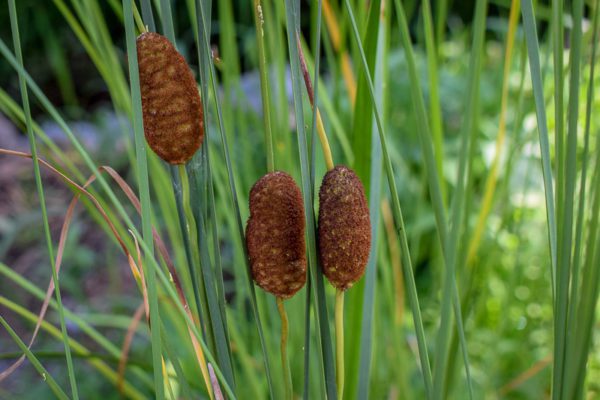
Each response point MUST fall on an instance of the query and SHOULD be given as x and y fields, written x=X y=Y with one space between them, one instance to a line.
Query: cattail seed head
x=275 y=235
x=171 y=105
x=344 y=227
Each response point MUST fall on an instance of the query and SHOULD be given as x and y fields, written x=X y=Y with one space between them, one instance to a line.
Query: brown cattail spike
x=275 y=235
x=344 y=227
x=171 y=105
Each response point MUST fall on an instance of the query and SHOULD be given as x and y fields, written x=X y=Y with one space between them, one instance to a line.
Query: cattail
x=171 y=105
x=275 y=235
x=344 y=227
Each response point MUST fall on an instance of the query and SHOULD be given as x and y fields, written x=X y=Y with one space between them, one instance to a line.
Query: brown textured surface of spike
x=171 y=105
x=275 y=235
x=344 y=227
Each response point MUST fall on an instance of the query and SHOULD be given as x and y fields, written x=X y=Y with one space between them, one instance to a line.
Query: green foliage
x=507 y=314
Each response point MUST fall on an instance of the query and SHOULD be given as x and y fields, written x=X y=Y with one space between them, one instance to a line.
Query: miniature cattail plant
x=173 y=122
x=276 y=247
x=171 y=105
x=344 y=243
x=344 y=229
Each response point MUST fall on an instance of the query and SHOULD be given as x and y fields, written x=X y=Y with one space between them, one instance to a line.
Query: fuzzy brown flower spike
x=275 y=235
x=171 y=105
x=344 y=227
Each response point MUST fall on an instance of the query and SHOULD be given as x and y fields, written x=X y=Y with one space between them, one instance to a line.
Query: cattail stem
x=311 y=96
x=264 y=84
x=138 y=19
x=339 y=342
x=324 y=142
x=284 y=358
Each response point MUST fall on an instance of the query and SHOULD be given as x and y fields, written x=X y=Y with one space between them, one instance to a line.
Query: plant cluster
x=467 y=186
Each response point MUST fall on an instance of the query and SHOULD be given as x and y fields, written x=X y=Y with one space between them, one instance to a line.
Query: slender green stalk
x=144 y=191
x=58 y=392
x=339 y=342
x=329 y=106
x=42 y=200
x=320 y=128
x=264 y=83
x=285 y=362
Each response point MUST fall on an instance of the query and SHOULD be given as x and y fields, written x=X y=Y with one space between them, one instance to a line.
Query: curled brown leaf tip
x=344 y=227
x=275 y=235
x=171 y=105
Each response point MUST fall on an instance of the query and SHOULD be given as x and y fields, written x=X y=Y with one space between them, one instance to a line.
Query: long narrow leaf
x=538 y=93
x=366 y=331
x=40 y=192
x=362 y=144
